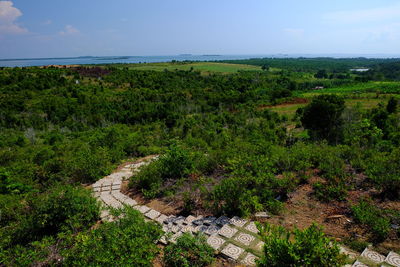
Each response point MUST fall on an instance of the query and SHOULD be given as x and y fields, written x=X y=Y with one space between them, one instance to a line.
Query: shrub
x=372 y=217
x=8 y=185
x=174 y=164
x=309 y=247
x=149 y=179
x=245 y=195
x=87 y=165
x=60 y=209
x=129 y=241
x=330 y=191
x=188 y=251
x=384 y=171
x=322 y=117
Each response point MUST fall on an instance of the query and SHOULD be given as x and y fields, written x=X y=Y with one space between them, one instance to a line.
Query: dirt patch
x=301 y=210
x=294 y=101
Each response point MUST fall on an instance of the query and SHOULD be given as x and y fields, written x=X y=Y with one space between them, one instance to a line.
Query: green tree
x=391 y=105
x=321 y=74
x=322 y=117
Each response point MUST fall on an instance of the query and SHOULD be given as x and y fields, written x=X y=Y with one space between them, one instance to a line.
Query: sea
x=27 y=62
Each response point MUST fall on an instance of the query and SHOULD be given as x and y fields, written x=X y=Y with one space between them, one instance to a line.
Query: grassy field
x=359 y=88
x=290 y=109
x=204 y=67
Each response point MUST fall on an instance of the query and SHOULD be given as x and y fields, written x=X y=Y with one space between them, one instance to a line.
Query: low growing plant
x=367 y=214
x=308 y=247
x=189 y=251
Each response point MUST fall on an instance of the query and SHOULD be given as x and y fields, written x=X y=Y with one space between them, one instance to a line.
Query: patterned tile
x=215 y=241
x=249 y=260
x=152 y=214
x=373 y=256
x=161 y=219
x=201 y=228
x=348 y=252
x=163 y=240
x=232 y=251
x=189 y=219
x=209 y=220
x=199 y=220
x=260 y=246
x=237 y=221
x=252 y=228
x=227 y=231
x=244 y=239
x=222 y=220
x=175 y=236
x=212 y=229
x=188 y=229
x=170 y=219
x=359 y=264
x=179 y=220
x=393 y=259
x=175 y=228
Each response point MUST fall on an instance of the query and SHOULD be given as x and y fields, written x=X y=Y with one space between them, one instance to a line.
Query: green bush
x=60 y=209
x=322 y=117
x=245 y=195
x=189 y=251
x=129 y=241
x=87 y=165
x=174 y=164
x=330 y=191
x=309 y=247
x=367 y=214
x=383 y=169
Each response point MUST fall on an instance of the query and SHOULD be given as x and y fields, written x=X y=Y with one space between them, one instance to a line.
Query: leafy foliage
x=189 y=251
x=384 y=170
x=309 y=247
x=26 y=220
x=367 y=214
x=322 y=117
x=174 y=164
x=127 y=241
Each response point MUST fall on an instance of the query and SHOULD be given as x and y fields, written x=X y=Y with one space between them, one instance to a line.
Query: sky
x=66 y=28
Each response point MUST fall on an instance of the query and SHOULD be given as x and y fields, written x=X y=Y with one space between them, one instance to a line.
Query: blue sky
x=56 y=28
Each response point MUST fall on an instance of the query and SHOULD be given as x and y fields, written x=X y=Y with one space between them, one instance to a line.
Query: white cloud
x=69 y=30
x=8 y=17
x=294 y=32
x=47 y=22
x=364 y=15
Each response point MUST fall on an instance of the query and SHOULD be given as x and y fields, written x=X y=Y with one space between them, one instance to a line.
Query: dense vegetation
x=189 y=251
x=308 y=247
x=222 y=151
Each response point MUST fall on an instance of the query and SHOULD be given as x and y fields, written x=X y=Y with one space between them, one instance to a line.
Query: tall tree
x=323 y=118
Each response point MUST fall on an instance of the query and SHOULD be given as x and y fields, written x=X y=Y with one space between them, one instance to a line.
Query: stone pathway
x=234 y=238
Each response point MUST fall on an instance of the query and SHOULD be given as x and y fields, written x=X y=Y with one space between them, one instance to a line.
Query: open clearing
x=204 y=67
